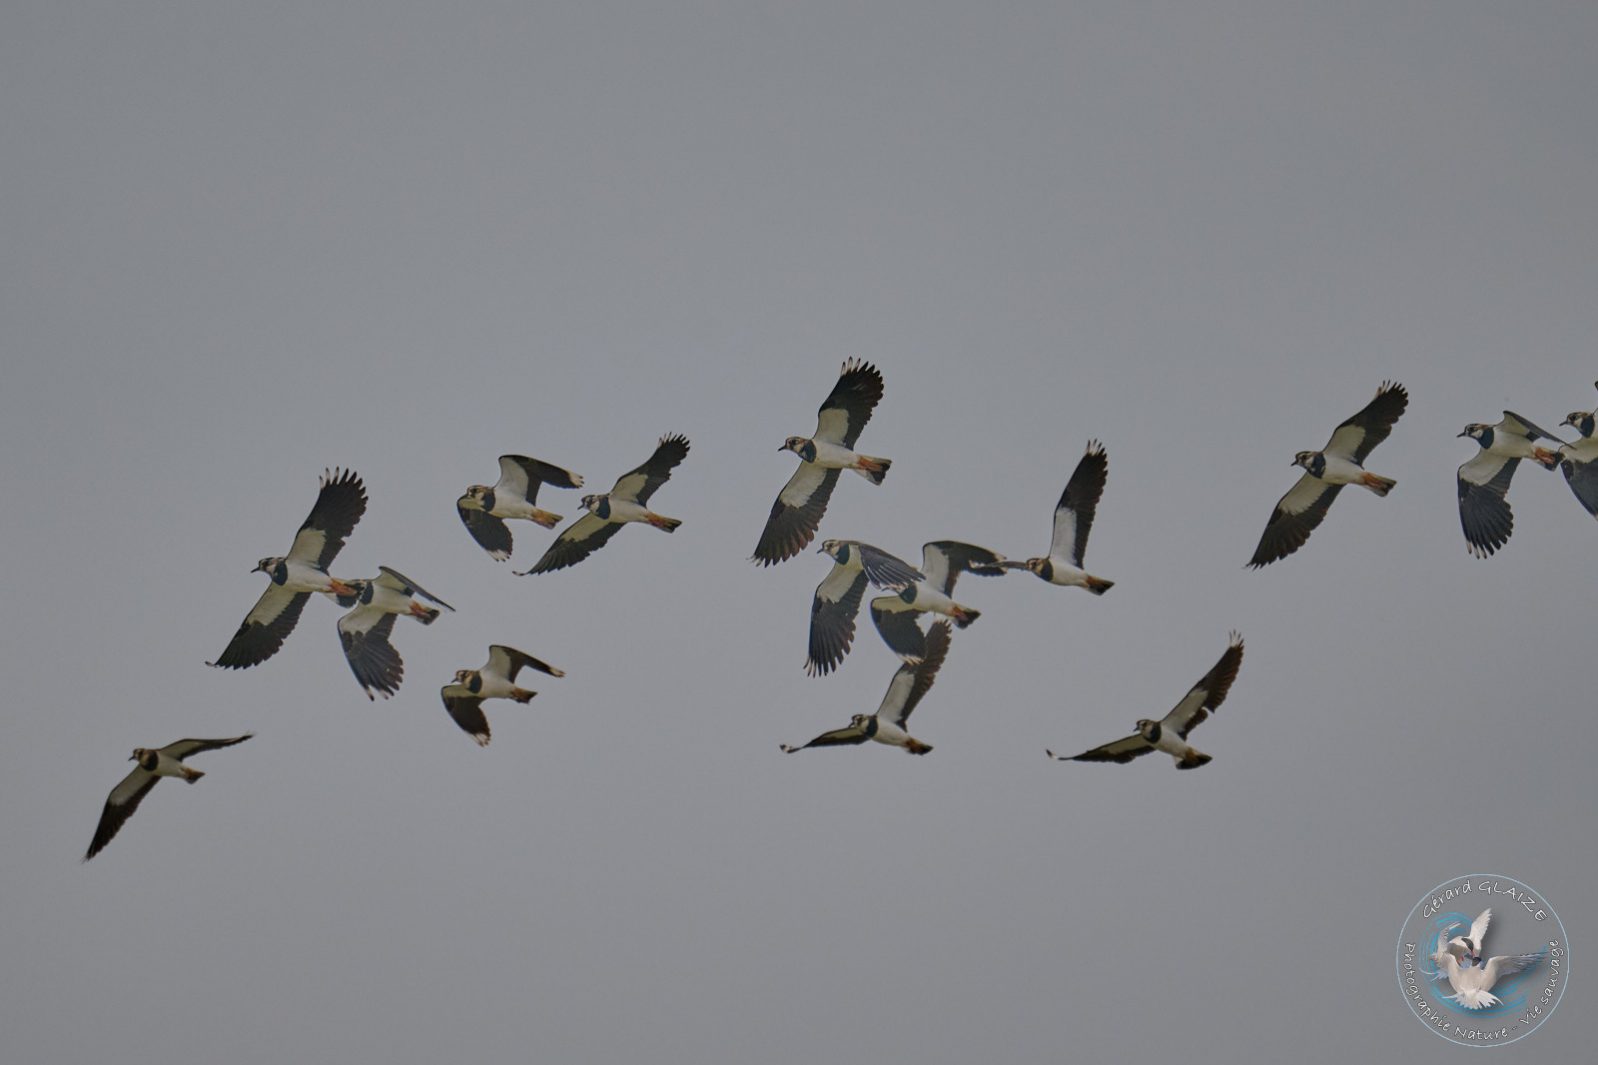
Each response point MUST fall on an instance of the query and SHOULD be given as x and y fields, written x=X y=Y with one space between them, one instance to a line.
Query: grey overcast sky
x=245 y=242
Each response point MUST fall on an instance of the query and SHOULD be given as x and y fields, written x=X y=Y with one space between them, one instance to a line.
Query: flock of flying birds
x=373 y=604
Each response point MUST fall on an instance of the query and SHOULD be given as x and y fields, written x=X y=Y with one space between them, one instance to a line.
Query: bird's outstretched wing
x=1356 y=438
x=848 y=406
x=466 y=710
x=1209 y=693
x=521 y=476
x=1123 y=750
x=896 y=624
x=576 y=542
x=833 y=609
x=264 y=628
x=1484 y=512
x=911 y=682
x=339 y=505
x=1073 y=515
x=944 y=560
x=365 y=633
x=637 y=485
x=847 y=736
x=1296 y=516
x=796 y=514
x=507 y=662
x=491 y=533
x=397 y=581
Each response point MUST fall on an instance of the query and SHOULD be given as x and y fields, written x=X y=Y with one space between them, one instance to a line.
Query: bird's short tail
x=1549 y=459
x=964 y=616
x=915 y=746
x=1193 y=760
x=663 y=523
x=522 y=695
x=1474 y=998
x=872 y=469
x=425 y=614
x=191 y=774
x=545 y=518
x=1098 y=585
x=1377 y=483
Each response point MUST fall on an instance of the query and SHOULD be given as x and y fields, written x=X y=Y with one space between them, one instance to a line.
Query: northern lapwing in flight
x=910 y=683
x=623 y=504
x=1169 y=734
x=484 y=508
x=154 y=763
x=1073 y=520
x=1484 y=512
x=942 y=561
x=1341 y=462
x=1578 y=460
x=339 y=505
x=837 y=598
x=495 y=680
x=366 y=630
x=797 y=513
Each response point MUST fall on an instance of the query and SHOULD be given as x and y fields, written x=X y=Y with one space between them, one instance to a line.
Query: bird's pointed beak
x=1462 y=432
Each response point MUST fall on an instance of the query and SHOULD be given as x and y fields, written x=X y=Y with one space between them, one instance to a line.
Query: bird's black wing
x=264 y=628
x=1484 y=512
x=796 y=514
x=364 y=634
x=1357 y=437
x=1296 y=515
x=832 y=616
x=339 y=506
x=576 y=542
x=491 y=533
x=849 y=405
x=640 y=483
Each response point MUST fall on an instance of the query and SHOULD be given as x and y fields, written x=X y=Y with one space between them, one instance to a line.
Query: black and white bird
x=365 y=631
x=837 y=598
x=1484 y=512
x=910 y=683
x=1169 y=734
x=154 y=763
x=1073 y=520
x=1578 y=460
x=1341 y=462
x=942 y=562
x=797 y=513
x=496 y=679
x=484 y=508
x=302 y=571
x=624 y=503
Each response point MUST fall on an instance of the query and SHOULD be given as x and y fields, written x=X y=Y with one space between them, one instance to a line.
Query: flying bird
x=1467 y=948
x=910 y=683
x=1579 y=460
x=1473 y=984
x=365 y=631
x=942 y=561
x=796 y=514
x=609 y=512
x=1073 y=520
x=154 y=763
x=483 y=508
x=496 y=679
x=1484 y=512
x=1341 y=462
x=339 y=505
x=1170 y=733
x=837 y=598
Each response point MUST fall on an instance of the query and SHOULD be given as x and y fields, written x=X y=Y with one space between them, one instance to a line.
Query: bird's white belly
x=833 y=456
x=167 y=766
x=930 y=599
x=494 y=687
x=303 y=578
x=1065 y=573
x=891 y=734
x=512 y=508
x=1342 y=471
x=1172 y=744
x=624 y=510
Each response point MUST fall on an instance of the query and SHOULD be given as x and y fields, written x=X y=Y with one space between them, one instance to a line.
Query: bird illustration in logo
x=1459 y=960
